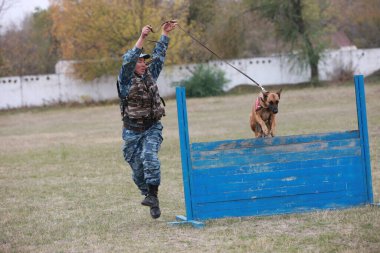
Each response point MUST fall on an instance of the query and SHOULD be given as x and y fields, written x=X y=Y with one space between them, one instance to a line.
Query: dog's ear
x=265 y=95
x=279 y=93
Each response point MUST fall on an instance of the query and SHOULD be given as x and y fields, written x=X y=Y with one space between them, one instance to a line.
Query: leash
x=220 y=58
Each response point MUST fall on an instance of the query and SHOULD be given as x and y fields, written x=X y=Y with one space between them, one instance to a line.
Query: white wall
x=62 y=87
x=360 y=61
x=51 y=89
x=283 y=70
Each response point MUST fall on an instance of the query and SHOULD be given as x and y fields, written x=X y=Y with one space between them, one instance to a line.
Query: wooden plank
x=312 y=199
x=280 y=149
x=282 y=175
x=275 y=141
x=338 y=174
x=284 y=157
x=280 y=205
x=277 y=192
x=276 y=167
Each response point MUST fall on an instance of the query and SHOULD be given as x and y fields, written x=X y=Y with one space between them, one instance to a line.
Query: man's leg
x=151 y=146
x=132 y=149
x=149 y=155
x=138 y=173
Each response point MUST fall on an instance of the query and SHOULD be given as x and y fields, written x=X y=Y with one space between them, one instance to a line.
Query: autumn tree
x=96 y=33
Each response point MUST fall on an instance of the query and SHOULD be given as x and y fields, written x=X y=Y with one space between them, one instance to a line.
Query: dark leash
x=212 y=52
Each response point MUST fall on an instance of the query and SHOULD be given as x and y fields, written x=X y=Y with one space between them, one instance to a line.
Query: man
x=142 y=110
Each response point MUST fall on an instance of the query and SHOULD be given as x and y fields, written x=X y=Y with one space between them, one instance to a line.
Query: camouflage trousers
x=140 y=150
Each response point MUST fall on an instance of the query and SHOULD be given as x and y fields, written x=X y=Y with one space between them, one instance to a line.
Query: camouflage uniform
x=142 y=131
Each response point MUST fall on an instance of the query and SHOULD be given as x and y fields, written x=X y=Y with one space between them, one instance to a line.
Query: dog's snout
x=273 y=108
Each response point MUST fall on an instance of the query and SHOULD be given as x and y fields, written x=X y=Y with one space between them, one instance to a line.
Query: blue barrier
x=277 y=175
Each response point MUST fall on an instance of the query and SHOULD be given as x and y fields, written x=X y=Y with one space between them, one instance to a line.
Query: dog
x=263 y=114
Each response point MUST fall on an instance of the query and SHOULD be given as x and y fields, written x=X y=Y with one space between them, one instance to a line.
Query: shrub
x=205 y=81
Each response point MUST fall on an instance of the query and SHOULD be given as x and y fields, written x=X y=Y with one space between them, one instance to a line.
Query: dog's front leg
x=273 y=125
x=261 y=122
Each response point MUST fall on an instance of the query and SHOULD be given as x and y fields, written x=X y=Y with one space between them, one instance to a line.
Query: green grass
x=64 y=186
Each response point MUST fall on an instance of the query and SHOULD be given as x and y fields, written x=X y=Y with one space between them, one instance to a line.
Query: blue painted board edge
x=185 y=148
x=363 y=129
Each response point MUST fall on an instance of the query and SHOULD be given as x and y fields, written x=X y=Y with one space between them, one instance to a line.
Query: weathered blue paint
x=185 y=159
x=363 y=128
x=275 y=175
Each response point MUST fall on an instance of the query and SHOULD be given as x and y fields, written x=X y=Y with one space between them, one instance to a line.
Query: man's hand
x=168 y=26
x=145 y=31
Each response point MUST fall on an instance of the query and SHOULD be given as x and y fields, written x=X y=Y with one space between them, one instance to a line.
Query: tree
x=96 y=33
x=360 y=20
x=299 y=23
x=226 y=34
x=15 y=49
x=201 y=11
x=233 y=31
x=4 y=6
x=31 y=49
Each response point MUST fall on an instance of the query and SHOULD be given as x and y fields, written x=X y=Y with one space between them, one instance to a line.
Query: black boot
x=152 y=200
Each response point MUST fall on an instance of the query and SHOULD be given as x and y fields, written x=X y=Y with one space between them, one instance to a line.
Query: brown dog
x=263 y=114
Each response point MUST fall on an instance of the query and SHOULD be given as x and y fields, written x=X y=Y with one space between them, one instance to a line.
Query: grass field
x=64 y=186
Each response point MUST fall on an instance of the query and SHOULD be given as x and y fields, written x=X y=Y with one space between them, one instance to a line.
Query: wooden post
x=185 y=159
x=363 y=129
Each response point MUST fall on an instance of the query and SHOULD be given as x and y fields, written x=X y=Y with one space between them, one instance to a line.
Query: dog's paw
x=265 y=131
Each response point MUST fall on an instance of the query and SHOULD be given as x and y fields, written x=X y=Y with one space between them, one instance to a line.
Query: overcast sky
x=20 y=8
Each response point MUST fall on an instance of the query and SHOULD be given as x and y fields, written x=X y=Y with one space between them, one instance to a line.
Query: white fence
x=61 y=87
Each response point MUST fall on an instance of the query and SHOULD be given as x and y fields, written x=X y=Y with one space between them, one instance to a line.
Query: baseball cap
x=145 y=56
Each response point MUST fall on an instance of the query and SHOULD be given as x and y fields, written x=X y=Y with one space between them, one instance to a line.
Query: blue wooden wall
x=275 y=175
x=278 y=175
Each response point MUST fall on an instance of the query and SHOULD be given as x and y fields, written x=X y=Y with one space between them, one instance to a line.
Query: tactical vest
x=142 y=106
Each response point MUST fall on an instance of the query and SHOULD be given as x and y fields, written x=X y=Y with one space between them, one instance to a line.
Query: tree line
x=96 y=33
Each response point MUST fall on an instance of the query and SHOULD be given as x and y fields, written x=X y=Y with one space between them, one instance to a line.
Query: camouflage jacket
x=143 y=100
x=141 y=93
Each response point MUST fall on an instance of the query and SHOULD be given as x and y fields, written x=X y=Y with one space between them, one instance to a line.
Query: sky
x=19 y=9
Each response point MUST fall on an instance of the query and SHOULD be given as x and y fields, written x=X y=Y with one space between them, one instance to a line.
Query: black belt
x=138 y=125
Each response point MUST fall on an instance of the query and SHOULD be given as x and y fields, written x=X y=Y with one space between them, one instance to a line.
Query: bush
x=205 y=81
